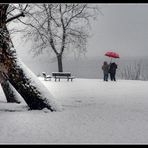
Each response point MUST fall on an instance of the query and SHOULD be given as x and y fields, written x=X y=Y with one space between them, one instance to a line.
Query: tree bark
x=10 y=92
x=30 y=88
x=35 y=94
x=60 y=64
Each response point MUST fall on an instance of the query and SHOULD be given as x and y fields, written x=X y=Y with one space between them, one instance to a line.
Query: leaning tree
x=59 y=27
x=10 y=92
x=12 y=69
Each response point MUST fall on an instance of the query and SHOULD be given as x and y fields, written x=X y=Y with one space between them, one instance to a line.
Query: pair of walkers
x=109 y=69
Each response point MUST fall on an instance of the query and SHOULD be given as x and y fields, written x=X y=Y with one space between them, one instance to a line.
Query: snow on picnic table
x=94 y=111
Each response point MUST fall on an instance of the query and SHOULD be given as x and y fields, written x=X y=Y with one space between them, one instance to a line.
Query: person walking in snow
x=112 y=70
x=105 y=68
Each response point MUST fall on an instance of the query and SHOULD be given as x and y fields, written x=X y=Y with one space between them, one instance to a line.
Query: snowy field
x=94 y=112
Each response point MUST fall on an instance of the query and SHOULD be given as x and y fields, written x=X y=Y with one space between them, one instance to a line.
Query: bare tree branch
x=59 y=26
x=15 y=17
x=20 y=14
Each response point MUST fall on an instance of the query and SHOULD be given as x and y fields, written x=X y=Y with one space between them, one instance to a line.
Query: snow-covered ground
x=94 y=111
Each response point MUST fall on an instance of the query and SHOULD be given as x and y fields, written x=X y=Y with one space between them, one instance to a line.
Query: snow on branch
x=15 y=17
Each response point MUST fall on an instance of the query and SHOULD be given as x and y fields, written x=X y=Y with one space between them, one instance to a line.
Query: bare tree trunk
x=8 y=89
x=9 y=92
x=60 y=65
x=35 y=94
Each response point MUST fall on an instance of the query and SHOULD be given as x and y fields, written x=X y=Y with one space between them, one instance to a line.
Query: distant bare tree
x=132 y=71
x=59 y=26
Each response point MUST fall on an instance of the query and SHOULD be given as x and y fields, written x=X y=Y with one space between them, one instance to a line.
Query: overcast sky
x=122 y=28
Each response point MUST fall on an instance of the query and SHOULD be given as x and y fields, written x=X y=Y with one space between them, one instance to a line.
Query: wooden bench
x=46 y=77
x=62 y=75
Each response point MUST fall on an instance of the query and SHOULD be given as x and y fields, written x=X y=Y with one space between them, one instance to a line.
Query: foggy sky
x=122 y=28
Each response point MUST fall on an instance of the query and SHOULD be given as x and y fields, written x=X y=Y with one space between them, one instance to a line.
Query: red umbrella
x=112 y=54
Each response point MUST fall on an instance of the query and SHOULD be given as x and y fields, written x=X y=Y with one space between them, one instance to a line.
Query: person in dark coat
x=105 y=69
x=112 y=70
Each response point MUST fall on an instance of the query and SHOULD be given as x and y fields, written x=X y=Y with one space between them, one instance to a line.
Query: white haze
x=120 y=27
